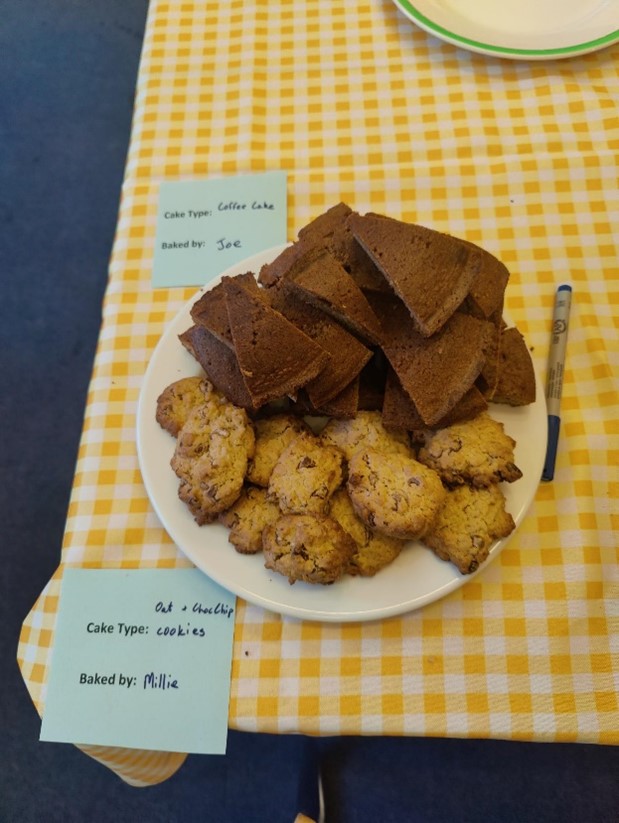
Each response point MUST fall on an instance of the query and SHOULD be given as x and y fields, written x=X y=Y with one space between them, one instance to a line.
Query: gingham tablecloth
x=357 y=104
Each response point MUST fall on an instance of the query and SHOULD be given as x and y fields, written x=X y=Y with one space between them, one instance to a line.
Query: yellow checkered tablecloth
x=357 y=104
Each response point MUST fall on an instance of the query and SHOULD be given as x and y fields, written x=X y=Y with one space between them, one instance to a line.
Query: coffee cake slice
x=344 y=406
x=211 y=310
x=275 y=357
x=318 y=278
x=343 y=246
x=436 y=372
x=515 y=383
x=399 y=411
x=315 y=235
x=487 y=291
x=431 y=272
x=321 y=228
x=219 y=363
x=348 y=355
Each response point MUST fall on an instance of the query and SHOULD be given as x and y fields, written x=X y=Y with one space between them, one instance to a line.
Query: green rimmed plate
x=519 y=29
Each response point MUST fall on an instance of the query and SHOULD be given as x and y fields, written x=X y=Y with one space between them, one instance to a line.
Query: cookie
x=211 y=456
x=468 y=524
x=308 y=547
x=394 y=494
x=306 y=475
x=477 y=452
x=247 y=517
x=273 y=434
x=365 y=431
x=373 y=550
x=177 y=400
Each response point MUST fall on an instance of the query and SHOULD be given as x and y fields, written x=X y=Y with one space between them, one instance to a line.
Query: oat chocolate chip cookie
x=306 y=475
x=309 y=547
x=373 y=551
x=365 y=431
x=477 y=452
x=394 y=494
x=273 y=434
x=247 y=517
x=211 y=456
x=467 y=525
x=177 y=400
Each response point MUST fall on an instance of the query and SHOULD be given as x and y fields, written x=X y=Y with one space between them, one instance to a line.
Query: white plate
x=519 y=29
x=416 y=578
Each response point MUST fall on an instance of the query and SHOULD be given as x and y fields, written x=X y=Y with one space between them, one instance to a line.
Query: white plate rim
x=169 y=361
x=412 y=11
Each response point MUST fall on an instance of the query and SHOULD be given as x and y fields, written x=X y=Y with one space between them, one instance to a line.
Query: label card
x=205 y=226
x=141 y=660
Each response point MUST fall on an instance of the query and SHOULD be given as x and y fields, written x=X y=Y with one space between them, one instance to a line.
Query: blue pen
x=554 y=382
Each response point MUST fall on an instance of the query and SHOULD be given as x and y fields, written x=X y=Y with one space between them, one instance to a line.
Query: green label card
x=142 y=660
x=205 y=226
